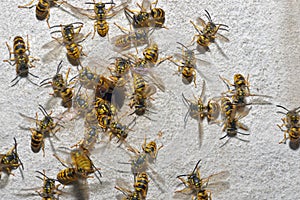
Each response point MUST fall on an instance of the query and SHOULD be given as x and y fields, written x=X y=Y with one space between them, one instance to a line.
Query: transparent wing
x=121 y=43
x=151 y=77
x=217 y=187
x=31 y=119
x=53 y=43
x=81 y=13
x=201 y=21
x=118 y=97
x=222 y=37
x=53 y=54
x=223 y=175
x=146 y=4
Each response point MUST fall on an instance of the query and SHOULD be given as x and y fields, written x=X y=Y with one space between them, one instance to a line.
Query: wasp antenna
x=196 y=166
x=59 y=66
x=243 y=133
x=182 y=45
x=42 y=109
x=208 y=16
x=223 y=137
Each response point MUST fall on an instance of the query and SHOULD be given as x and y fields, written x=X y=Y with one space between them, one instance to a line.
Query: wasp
x=43 y=129
x=140 y=162
x=42 y=10
x=141 y=184
x=49 y=189
x=111 y=89
x=104 y=112
x=151 y=53
x=151 y=150
x=200 y=110
x=84 y=165
x=91 y=135
x=61 y=87
x=22 y=59
x=80 y=168
x=240 y=91
x=293 y=135
x=100 y=15
x=87 y=78
x=129 y=39
x=232 y=124
x=188 y=65
x=239 y=82
x=70 y=39
x=291 y=122
x=57 y=82
x=119 y=130
x=209 y=32
x=147 y=16
x=120 y=70
x=194 y=183
x=141 y=95
x=10 y=161
x=141 y=71
x=140 y=18
x=105 y=88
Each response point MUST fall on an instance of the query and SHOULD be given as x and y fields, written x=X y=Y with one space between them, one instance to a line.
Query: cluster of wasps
x=104 y=95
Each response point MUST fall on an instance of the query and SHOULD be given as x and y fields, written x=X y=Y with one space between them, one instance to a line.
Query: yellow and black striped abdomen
x=67 y=176
x=19 y=45
x=37 y=140
x=73 y=51
x=42 y=9
x=102 y=27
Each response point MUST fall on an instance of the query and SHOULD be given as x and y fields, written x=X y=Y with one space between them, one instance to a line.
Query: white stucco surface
x=264 y=43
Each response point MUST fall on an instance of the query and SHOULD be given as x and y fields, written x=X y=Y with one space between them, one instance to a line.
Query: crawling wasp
x=49 y=189
x=87 y=78
x=232 y=124
x=147 y=16
x=120 y=131
x=43 y=129
x=70 y=39
x=142 y=69
x=91 y=135
x=10 y=161
x=42 y=11
x=104 y=112
x=130 y=39
x=240 y=91
x=197 y=109
x=188 y=65
x=61 y=87
x=80 y=167
x=140 y=162
x=141 y=95
x=100 y=15
x=291 y=123
x=195 y=184
x=22 y=60
x=209 y=32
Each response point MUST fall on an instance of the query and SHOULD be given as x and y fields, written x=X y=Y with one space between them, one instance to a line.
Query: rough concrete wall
x=264 y=43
